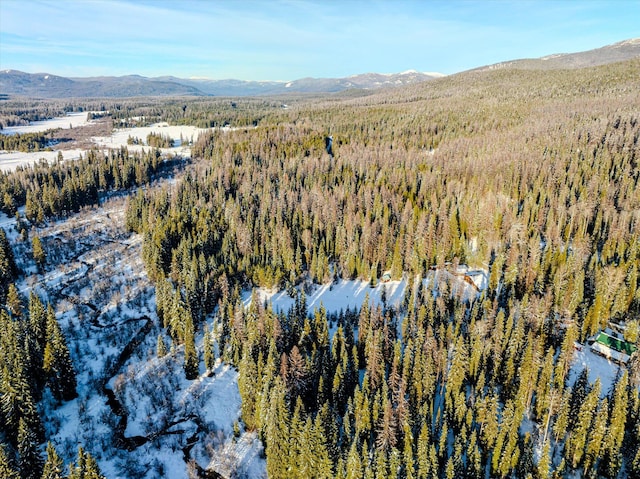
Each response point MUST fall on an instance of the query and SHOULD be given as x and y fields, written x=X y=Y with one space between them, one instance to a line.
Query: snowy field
x=119 y=137
x=10 y=160
x=182 y=137
x=71 y=120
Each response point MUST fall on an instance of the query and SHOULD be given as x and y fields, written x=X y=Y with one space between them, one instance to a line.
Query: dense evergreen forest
x=532 y=175
x=201 y=112
x=64 y=187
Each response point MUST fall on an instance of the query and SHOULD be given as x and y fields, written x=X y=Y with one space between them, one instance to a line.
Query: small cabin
x=386 y=277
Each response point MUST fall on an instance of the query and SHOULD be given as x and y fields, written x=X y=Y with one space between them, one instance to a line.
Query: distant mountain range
x=44 y=85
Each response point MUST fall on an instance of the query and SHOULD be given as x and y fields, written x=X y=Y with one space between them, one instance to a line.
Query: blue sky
x=291 y=39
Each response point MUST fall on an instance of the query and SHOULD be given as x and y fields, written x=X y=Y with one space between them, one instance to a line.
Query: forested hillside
x=533 y=174
x=530 y=175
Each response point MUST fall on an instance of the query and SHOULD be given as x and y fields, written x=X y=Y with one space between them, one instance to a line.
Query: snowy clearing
x=119 y=137
x=335 y=297
x=351 y=293
x=598 y=367
x=10 y=160
x=71 y=120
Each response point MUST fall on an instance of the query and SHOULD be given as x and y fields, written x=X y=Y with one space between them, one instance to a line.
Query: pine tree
x=544 y=392
x=407 y=452
x=323 y=465
x=354 y=464
x=16 y=403
x=190 y=353
x=8 y=268
x=209 y=355
x=426 y=468
x=562 y=420
x=161 y=348
x=39 y=254
x=248 y=388
x=6 y=469
x=544 y=464
x=387 y=428
x=579 y=393
x=53 y=466
x=596 y=436
x=277 y=433
x=381 y=463
x=449 y=470
x=298 y=442
x=612 y=462
x=57 y=365
x=85 y=467
x=37 y=319
x=13 y=302
x=474 y=459
x=575 y=445
x=92 y=470
x=30 y=464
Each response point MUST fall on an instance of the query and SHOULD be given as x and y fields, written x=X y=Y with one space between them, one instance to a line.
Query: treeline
x=33 y=357
x=25 y=141
x=64 y=187
x=200 y=112
x=533 y=174
x=156 y=140
x=8 y=268
x=21 y=112
x=53 y=467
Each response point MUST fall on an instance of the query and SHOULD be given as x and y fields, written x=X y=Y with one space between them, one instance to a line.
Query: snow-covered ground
x=352 y=293
x=6 y=222
x=10 y=160
x=335 y=297
x=119 y=137
x=71 y=120
x=105 y=303
x=597 y=366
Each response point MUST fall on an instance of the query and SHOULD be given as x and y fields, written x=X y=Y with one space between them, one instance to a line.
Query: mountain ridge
x=613 y=53
x=46 y=85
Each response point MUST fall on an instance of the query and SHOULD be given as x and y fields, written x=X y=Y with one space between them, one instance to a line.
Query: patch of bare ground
x=80 y=137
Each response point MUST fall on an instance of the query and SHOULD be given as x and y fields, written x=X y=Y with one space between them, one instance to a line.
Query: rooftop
x=617 y=344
